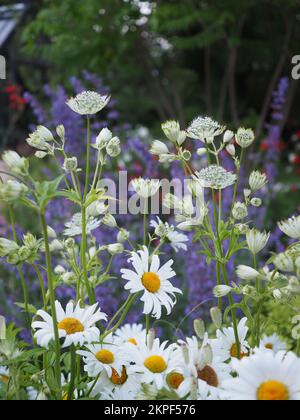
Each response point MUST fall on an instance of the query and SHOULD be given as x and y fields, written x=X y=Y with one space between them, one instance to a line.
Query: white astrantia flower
x=164 y=230
x=103 y=139
x=245 y=137
x=291 y=227
x=265 y=376
x=7 y=247
x=109 y=221
x=106 y=357
x=145 y=188
x=222 y=291
x=12 y=190
x=151 y=279
x=173 y=132
x=257 y=180
x=159 y=148
x=115 y=249
x=228 y=136
x=130 y=333
x=75 y=324
x=257 y=240
x=153 y=363
x=225 y=346
x=239 y=211
x=18 y=165
x=244 y=272
x=205 y=129
x=284 y=262
x=215 y=177
x=97 y=208
x=70 y=165
x=74 y=226
x=256 y=202
x=273 y=343
x=88 y=103
x=113 y=149
x=42 y=140
x=123 y=236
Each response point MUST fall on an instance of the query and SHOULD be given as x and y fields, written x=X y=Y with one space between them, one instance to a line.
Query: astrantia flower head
x=18 y=165
x=113 y=148
x=164 y=230
x=291 y=227
x=205 y=129
x=103 y=139
x=257 y=240
x=257 y=180
x=88 y=103
x=74 y=227
x=41 y=139
x=239 y=211
x=265 y=376
x=75 y=324
x=159 y=148
x=245 y=272
x=215 y=177
x=173 y=132
x=153 y=281
x=7 y=247
x=145 y=188
x=284 y=262
x=245 y=137
x=12 y=190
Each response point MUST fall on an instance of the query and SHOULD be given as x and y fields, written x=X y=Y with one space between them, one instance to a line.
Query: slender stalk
x=145 y=220
x=42 y=286
x=73 y=372
x=88 y=159
x=83 y=257
x=52 y=303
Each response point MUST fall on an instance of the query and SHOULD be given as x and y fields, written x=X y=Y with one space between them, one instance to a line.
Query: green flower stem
x=120 y=310
x=73 y=372
x=84 y=259
x=88 y=159
x=259 y=306
x=147 y=327
x=298 y=348
x=52 y=303
x=42 y=286
x=145 y=221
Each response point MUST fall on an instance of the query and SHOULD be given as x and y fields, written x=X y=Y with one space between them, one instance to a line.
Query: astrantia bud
x=185 y=155
x=277 y=294
x=257 y=240
x=44 y=133
x=70 y=243
x=222 y=291
x=202 y=151
x=247 y=273
x=231 y=149
x=291 y=227
x=24 y=253
x=115 y=249
x=216 y=316
x=30 y=241
x=256 y=202
x=241 y=229
x=56 y=246
x=247 y=193
x=228 y=136
x=257 y=180
x=239 y=211
x=13 y=259
x=70 y=165
x=171 y=130
x=113 y=148
x=40 y=155
x=59 y=270
x=7 y=247
x=103 y=138
x=110 y=221
x=123 y=236
x=51 y=232
x=96 y=209
x=199 y=328
x=12 y=190
x=245 y=137
x=159 y=148
x=18 y=165
x=284 y=262
x=61 y=132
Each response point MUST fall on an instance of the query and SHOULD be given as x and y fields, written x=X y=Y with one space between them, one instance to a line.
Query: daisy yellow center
x=234 y=352
x=273 y=391
x=71 y=326
x=209 y=376
x=117 y=379
x=156 y=364
x=133 y=341
x=105 y=356
x=4 y=378
x=269 y=346
x=151 y=282
x=174 y=380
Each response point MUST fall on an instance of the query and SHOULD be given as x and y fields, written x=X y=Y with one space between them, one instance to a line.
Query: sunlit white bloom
x=88 y=103
x=74 y=227
x=41 y=139
x=222 y=291
x=291 y=227
x=245 y=272
x=231 y=149
x=215 y=177
x=228 y=136
x=257 y=240
x=145 y=188
x=225 y=346
x=76 y=325
x=159 y=148
x=153 y=281
x=205 y=129
x=18 y=165
x=118 y=395
x=103 y=139
x=164 y=230
x=130 y=333
x=173 y=132
x=245 y=137
x=239 y=211
x=115 y=249
x=153 y=363
x=102 y=357
x=265 y=376
x=7 y=247
x=257 y=180
x=12 y=190
x=273 y=343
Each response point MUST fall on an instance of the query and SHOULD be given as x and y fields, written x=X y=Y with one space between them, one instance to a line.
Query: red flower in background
x=16 y=100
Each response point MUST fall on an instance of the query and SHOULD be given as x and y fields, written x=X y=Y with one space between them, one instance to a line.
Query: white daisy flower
x=257 y=240
x=118 y=395
x=152 y=363
x=103 y=357
x=74 y=226
x=205 y=129
x=130 y=333
x=225 y=345
x=88 y=103
x=273 y=343
x=291 y=227
x=265 y=376
x=75 y=324
x=164 y=230
x=145 y=188
x=215 y=177
x=149 y=278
